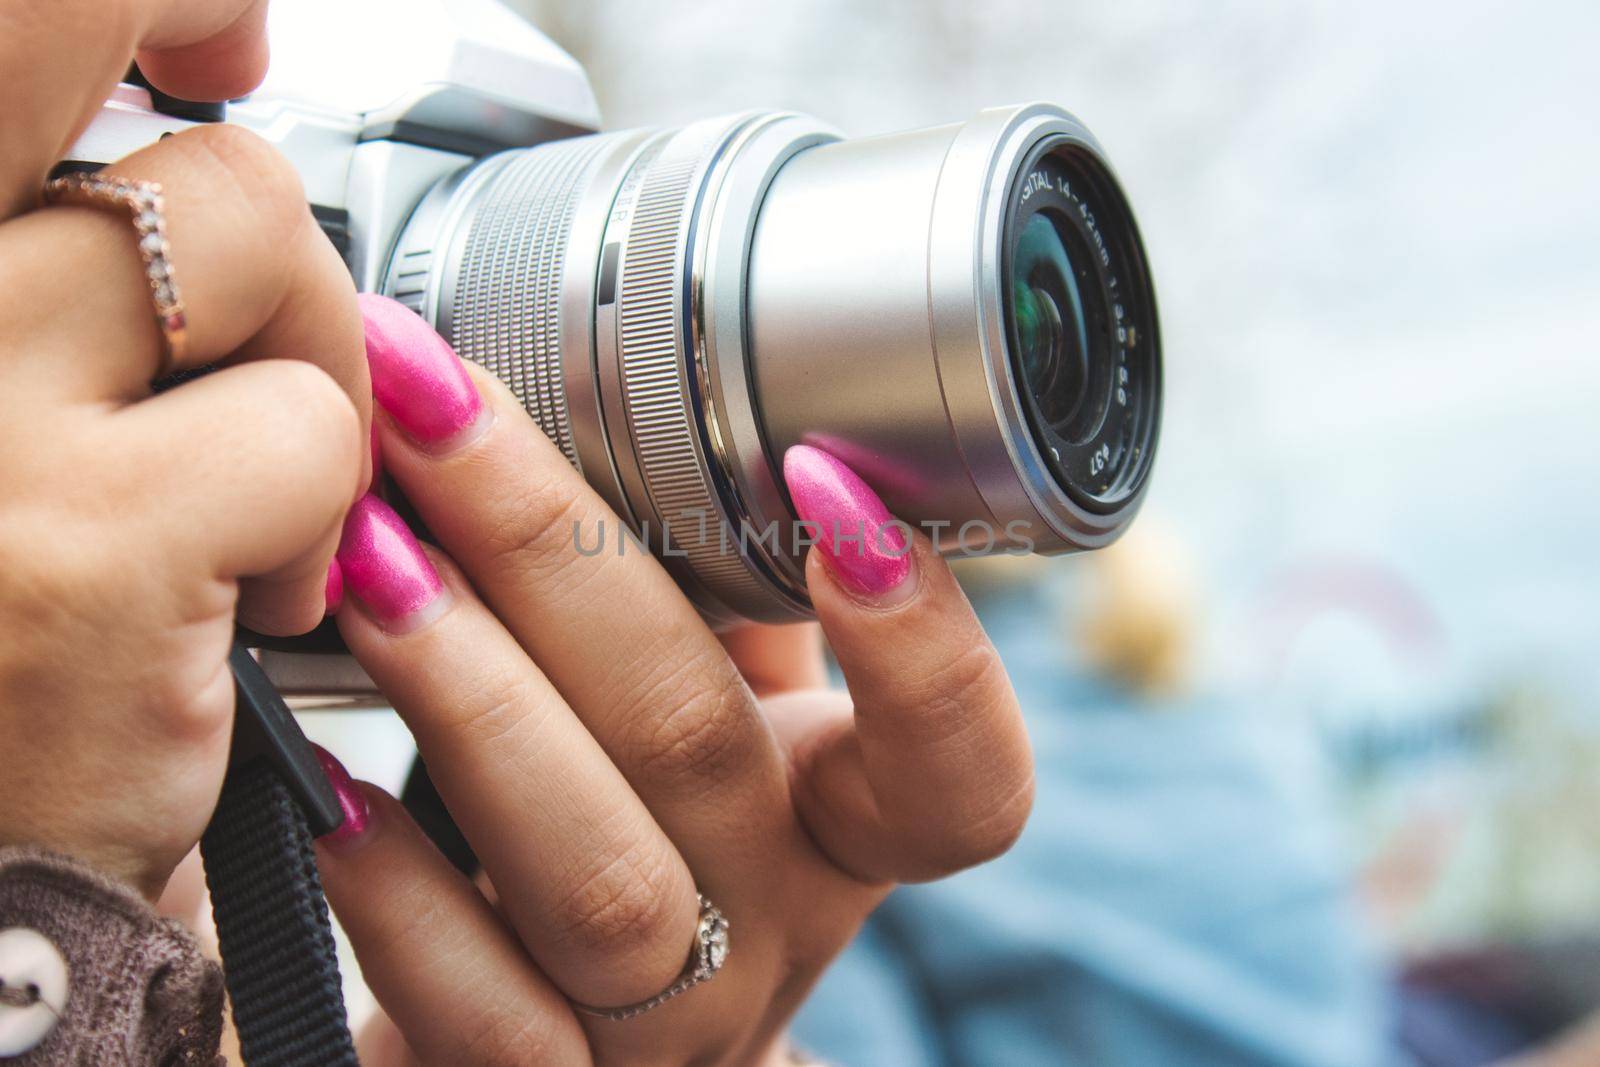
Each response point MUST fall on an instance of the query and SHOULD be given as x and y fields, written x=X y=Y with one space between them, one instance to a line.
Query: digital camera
x=964 y=313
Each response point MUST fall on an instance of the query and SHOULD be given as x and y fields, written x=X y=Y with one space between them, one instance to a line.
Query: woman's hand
x=131 y=524
x=606 y=759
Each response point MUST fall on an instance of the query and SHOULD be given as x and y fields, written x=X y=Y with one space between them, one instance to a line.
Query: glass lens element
x=1050 y=321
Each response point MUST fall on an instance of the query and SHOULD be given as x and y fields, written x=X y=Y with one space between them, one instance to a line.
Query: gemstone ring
x=706 y=957
x=144 y=203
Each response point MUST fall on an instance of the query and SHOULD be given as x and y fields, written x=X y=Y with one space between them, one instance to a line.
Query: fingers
x=250 y=469
x=934 y=773
x=259 y=281
x=434 y=952
x=61 y=59
x=777 y=659
x=220 y=65
x=611 y=629
x=596 y=891
x=256 y=275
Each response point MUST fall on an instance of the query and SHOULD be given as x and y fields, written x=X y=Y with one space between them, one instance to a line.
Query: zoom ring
x=655 y=364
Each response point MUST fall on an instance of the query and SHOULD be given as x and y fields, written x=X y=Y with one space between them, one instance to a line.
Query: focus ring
x=506 y=314
x=655 y=366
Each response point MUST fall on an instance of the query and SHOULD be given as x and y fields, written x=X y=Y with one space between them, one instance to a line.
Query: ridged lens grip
x=493 y=280
x=659 y=372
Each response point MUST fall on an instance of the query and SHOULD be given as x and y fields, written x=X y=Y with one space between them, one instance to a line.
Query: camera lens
x=1052 y=341
x=1081 y=324
x=961 y=313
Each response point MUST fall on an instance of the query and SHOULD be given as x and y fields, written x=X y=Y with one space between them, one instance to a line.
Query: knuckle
x=254 y=175
x=306 y=436
x=992 y=835
x=695 y=724
x=493 y=709
x=196 y=712
x=535 y=531
x=325 y=422
x=982 y=829
x=979 y=819
x=972 y=679
x=626 y=907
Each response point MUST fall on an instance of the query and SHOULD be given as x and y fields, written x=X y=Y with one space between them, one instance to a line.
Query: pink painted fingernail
x=417 y=377
x=867 y=549
x=357 y=813
x=385 y=568
x=333 y=591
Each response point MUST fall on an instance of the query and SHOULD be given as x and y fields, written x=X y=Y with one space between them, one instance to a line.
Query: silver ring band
x=706 y=957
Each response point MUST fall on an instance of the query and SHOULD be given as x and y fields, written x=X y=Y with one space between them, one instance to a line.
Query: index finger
x=620 y=641
x=934 y=771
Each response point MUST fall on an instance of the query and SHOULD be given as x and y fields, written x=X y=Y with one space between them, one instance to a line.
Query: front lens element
x=1053 y=342
x=1081 y=325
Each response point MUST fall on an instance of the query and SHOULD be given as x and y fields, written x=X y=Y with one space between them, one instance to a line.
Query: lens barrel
x=676 y=308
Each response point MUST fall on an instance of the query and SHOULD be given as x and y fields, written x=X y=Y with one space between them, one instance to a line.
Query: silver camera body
x=376 y=101
x=964 y=313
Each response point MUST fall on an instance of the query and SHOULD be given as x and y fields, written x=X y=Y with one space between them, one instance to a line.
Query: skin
x=605 y=764
x=133 y=527
x=605 y=752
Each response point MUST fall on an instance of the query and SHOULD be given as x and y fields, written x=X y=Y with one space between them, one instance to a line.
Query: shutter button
x=33 y=989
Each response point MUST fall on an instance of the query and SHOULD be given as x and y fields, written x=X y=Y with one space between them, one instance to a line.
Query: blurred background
x=1375 y=229
x=1320 y=745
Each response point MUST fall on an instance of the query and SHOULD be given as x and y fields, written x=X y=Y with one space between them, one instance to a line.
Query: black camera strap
x=278 y=955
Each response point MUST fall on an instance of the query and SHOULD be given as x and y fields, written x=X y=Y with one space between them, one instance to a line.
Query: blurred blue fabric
x=1178 y=898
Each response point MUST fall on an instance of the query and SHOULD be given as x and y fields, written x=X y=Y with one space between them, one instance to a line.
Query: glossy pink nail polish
x=351 y=801
x=333 y=590
x=385 y=568
x=867 y=550
x=416 y=376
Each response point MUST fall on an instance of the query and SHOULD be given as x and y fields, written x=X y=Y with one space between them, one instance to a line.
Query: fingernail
x=417 y=377
x=352 y=802
x=333 y=591
x=865 y=547
x=385 y=568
